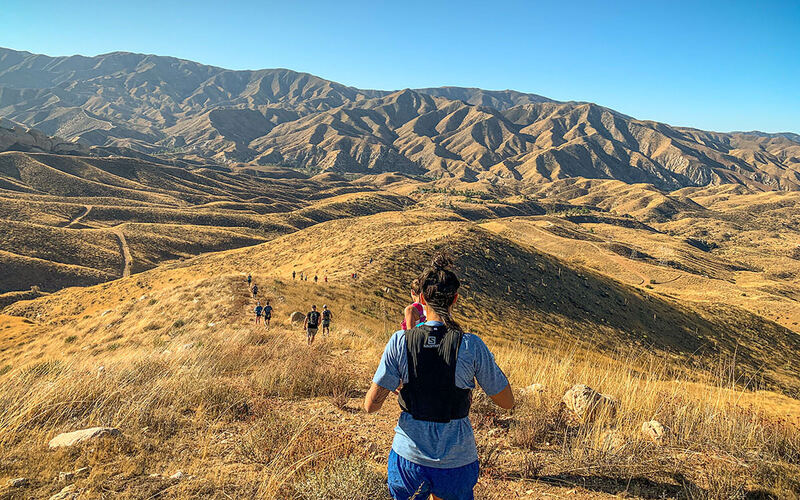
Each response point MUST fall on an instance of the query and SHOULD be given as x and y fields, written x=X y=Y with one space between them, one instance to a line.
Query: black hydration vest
x=431 y=393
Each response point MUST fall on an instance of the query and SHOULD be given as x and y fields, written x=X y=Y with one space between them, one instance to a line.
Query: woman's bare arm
x=505 y=398
x=375 y=397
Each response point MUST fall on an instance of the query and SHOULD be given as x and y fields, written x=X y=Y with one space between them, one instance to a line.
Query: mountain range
x=183 y=109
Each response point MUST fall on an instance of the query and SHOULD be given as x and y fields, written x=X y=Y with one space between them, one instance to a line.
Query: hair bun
x=441 y=261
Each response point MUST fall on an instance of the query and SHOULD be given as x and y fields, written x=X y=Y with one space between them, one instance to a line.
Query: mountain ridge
x=183 y=109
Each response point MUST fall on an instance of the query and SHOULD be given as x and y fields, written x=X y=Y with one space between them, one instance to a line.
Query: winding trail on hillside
x=81 y=216
x=622 y=261
x=126 y=251
x=676 y=278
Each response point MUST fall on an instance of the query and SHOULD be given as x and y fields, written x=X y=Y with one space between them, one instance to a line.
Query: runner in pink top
x=415 y=313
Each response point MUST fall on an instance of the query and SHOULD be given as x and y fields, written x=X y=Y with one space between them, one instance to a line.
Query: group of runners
x=432 y=365
x=313 y=319
x=304 y=277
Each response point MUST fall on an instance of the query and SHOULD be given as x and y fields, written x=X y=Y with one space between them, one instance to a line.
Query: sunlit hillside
x=172 y=359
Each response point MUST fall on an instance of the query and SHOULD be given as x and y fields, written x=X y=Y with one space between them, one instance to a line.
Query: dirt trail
x=81 y=216
x=126 y=251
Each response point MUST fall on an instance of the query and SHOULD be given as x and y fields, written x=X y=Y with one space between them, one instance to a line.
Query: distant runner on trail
x=255 y=290
x=267 y=313
x=311 y=324
x=249 y=280
x=434 y=367
x=293 y=275
x=414 y=314
x=315 y=278
x=326 y=320
x=258 y=310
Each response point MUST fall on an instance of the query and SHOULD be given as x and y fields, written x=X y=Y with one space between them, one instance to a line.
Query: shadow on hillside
x=640 y=487
x=508 y=284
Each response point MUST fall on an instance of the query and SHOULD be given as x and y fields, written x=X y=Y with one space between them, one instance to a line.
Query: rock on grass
x=72 y=438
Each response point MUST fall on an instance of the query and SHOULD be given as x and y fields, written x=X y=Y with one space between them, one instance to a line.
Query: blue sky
x=714 y=65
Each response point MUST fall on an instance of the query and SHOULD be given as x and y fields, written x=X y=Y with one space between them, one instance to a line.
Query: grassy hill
x=70 y=220
x=195 y=386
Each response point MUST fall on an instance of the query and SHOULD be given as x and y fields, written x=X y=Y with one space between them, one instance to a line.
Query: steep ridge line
x=281 y=117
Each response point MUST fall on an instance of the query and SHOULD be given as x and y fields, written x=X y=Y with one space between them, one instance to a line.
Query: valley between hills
x=655 y=264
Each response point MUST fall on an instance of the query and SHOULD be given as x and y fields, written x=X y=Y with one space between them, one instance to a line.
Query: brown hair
x=415 y=286
x=439 y=285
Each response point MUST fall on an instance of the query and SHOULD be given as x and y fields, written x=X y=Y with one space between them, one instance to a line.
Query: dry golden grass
x=250 y=412
x=194 y=385
x=713 y=437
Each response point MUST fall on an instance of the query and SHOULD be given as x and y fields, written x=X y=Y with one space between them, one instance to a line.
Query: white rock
x=105 y=312
x=211 y=323
x=654 y=431
x=68 y=493
x=66 y=477
x=586 y=403
x=186 y=347
x=72 y=438
x=101 y=371
x=177 y=475
x=17 y=483
x=534 y=389
x=83 y=471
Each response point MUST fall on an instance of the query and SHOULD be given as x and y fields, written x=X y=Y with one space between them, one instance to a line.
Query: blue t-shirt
x=436 y=444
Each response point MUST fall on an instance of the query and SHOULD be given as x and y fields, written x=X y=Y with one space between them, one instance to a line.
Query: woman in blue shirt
x=433 y=368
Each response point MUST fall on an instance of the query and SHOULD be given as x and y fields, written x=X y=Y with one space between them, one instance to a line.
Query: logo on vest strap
x=432 y=341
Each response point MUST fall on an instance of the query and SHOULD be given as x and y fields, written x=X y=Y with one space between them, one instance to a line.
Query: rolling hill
x=78 y=220
x=171 y=357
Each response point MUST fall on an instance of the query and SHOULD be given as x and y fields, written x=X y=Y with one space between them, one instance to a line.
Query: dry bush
x=340 y=398
x=346 y=478
x=484 y=414
x=302 y=375
x=539 y=422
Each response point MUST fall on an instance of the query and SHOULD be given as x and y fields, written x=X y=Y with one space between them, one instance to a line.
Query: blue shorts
x=408 y=480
